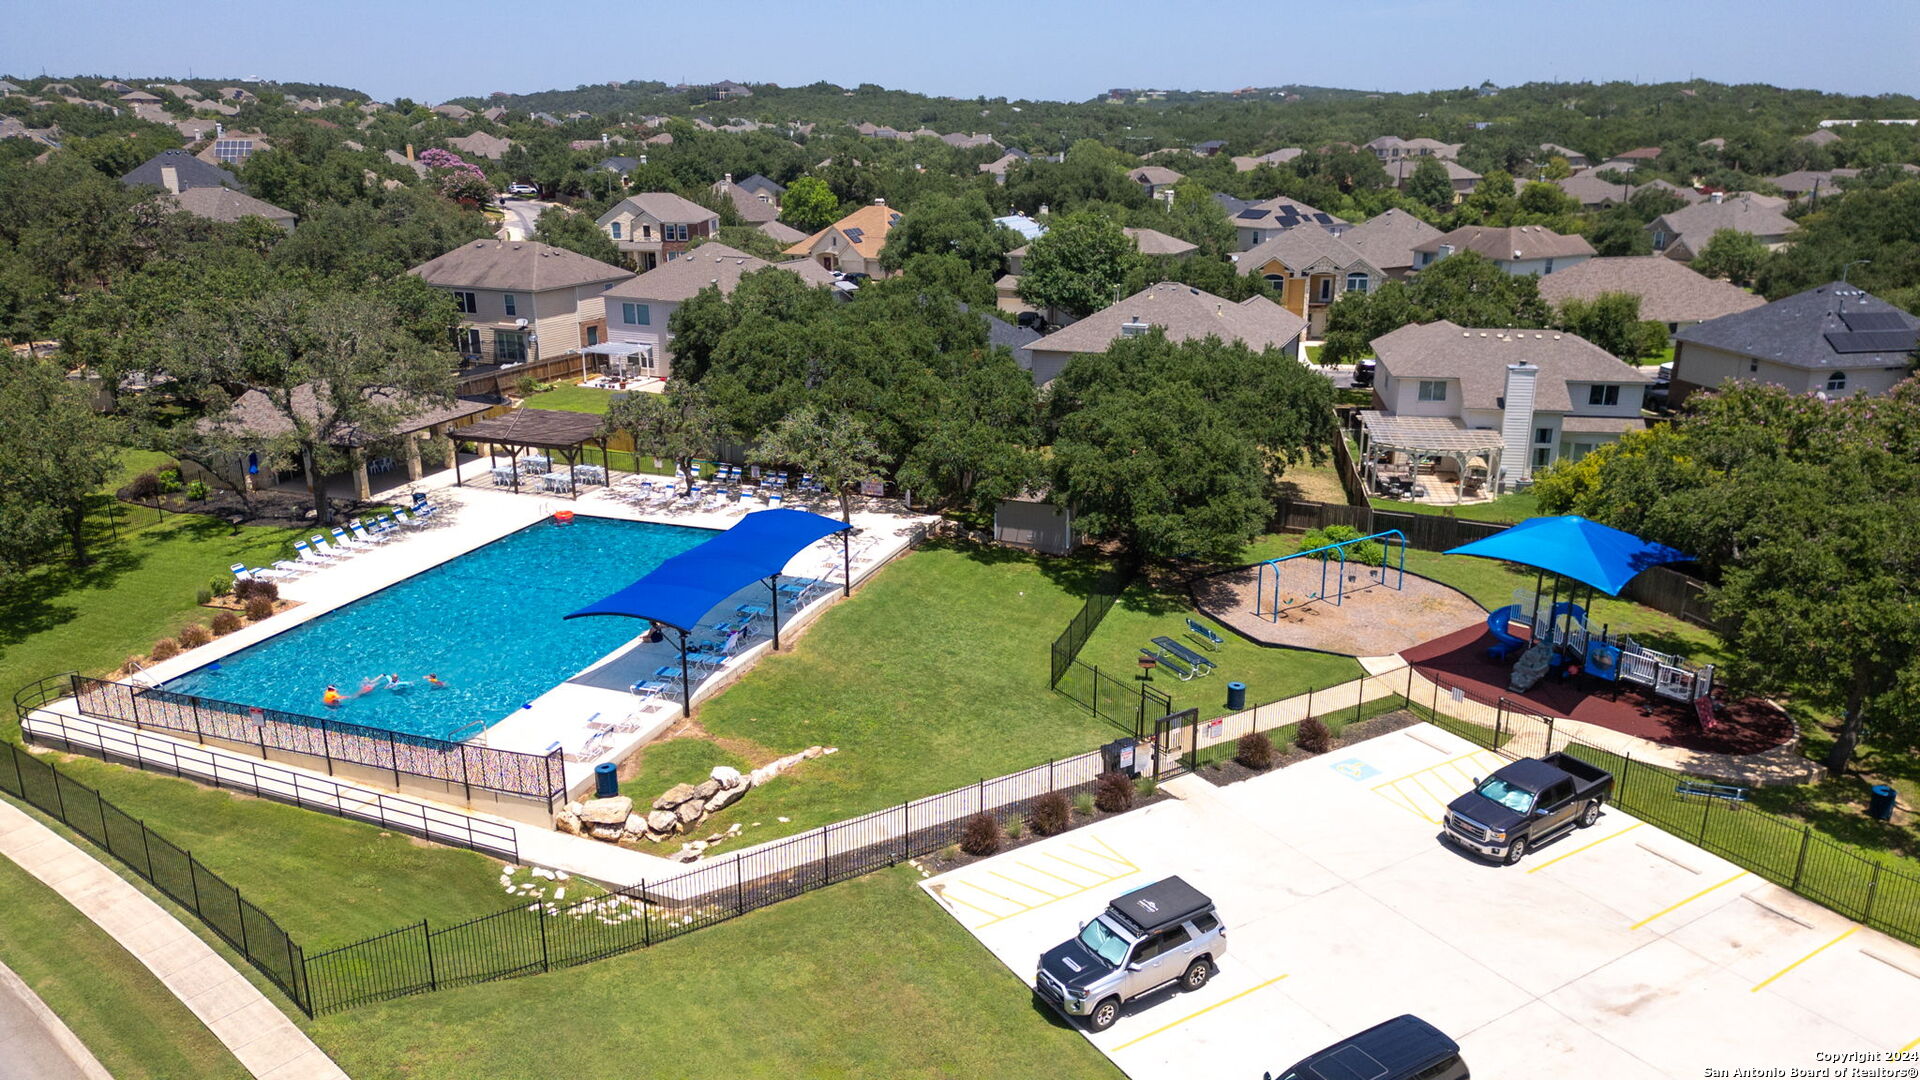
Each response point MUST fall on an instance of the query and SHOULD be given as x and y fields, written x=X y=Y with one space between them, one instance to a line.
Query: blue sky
x=1064 y=49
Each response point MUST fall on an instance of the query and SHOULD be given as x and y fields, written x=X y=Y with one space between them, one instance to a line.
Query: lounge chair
x=386 y=524
x=1201 y=664
x=345 y=542
x=1168 y=662
x=308 y=554
x=649 y=689
x=326 y=550
x=422 y=509
x=404 y=519
x=1200 y=630
x=366 y=532
x=242 y=572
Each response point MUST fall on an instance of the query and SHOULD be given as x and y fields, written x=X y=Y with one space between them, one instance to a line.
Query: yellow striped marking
x=1075 y=865
x=1578 y=850
x=1429 y=768
x=969 y=883
x=1049 y=873
x=1112 y=858
x=1044 y=903
x=1688 y=900
x=1201 y=1012
x=1844 y=936
x=1908 y=1047
x=945 y=894
x=1025 y=885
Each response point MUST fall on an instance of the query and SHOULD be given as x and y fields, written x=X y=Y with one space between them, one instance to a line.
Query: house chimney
x=409 y=151
x=1718 y=196
x=604 y=141
x=727 y=180
x=879 y=202
x=170 y=178
x=1516 y=423
x=219 y=129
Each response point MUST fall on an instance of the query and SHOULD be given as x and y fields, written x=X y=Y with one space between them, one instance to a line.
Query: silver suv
x=1155 y=936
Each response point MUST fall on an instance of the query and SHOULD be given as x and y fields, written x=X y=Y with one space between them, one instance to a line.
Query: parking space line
x=973 y=885
x=1051 y=874
x=1908 y=1047
x=1688 y=900
x=1578 y=850
x=1429 y=768
x=1844 y=936
x=1025 y=885
x=1035 y=907
x=1199 y=1012
x=946 y=894
x=1075 y=865
x=1110 y=856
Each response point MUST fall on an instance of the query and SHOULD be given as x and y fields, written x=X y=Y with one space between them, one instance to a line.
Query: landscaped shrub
x=202 y=596
x=1146 y=786
x=1113 y=792
x=980 y=835
x=165 y=649
x=225 y=622
x=145 y=487
x=1255 y=751
x=220 y=586
x=1083 y=804
x=246 y=589
x=193 y=635
x=1015 y=827
x=169 y=480
x=1052 y=813
x=197 y=490
x=1313 y=736
x=1369 y=553
x=259 y=607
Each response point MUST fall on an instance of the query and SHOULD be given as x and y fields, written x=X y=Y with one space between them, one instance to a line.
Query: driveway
x=521 y=215
x=1618 y=951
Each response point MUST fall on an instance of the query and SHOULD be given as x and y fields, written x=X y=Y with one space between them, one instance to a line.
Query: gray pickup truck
x=1526 y=804
x=1154 y=936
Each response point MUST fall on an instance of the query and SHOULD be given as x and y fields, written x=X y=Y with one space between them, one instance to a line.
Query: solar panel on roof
x=1871 y=341
x=1873 y=320
x=854 y=233
x=1253 y=213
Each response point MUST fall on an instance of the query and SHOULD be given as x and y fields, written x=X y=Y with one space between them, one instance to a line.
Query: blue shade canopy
x=1573 y=547
x=680 y=591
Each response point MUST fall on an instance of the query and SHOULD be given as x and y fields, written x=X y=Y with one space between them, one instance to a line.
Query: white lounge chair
x=311 y=556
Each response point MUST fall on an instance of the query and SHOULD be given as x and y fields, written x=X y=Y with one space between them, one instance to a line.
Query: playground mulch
x=1743 y=726
x=1371 y=619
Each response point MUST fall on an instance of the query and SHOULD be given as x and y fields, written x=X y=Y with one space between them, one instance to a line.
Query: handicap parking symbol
x=1355 y=769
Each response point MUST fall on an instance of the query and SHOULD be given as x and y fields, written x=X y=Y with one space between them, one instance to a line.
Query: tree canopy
x=1464 y=287
x=1078 y=265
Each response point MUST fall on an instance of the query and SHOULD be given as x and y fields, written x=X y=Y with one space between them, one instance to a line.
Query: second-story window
x=508 y=299
x=636 y=314
x=1358 y=282
x=463 y=302
x=615 y=227
x=1603 y=395
x=1433 y=389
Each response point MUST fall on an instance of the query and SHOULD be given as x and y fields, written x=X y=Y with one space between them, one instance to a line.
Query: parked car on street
x=517 y=188
x=1404 y=1048
x=1154 y=936
x=1526 y=804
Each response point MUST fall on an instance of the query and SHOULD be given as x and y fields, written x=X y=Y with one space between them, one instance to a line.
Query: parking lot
x=1618 y=951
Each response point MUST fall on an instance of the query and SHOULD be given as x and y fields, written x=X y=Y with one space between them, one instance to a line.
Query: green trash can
x=1880 y=802
x=1236 y=696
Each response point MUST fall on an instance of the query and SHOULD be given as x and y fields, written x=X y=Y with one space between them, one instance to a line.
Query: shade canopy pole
x=686 y=678
x=773 y=586
x=846 y=562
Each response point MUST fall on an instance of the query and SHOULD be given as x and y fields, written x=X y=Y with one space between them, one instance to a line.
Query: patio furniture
x=1204 y=632
x=536 y=463
x=307 y=552
x=1201 y=664
x=556 y=483
x=589 y=474
x=1162 y=659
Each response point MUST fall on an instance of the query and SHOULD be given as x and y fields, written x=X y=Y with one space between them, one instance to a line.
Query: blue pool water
x=488 y=623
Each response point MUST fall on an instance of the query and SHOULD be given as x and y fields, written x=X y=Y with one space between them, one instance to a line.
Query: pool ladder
x=478 y=740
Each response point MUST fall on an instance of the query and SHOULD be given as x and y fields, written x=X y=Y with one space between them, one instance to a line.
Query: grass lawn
x=132 y=1023
x=1508 y=509
x=932 y=676
x=1314 y=483
x=572 y=397
x=868 y=978
x=1144 y=613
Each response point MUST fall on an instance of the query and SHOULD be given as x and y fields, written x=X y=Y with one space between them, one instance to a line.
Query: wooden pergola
x=564 y=433
x=1420 y=437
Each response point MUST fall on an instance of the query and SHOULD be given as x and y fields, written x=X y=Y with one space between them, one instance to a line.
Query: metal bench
x=1711 y=791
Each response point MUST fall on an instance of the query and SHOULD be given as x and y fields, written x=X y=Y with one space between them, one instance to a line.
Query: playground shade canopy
x=1573 y=547
x=684 y=588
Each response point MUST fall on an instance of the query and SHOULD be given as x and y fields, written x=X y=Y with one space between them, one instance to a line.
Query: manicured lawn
x=868 y=978
x=1144 y=613
x=1314 y=483
x=132 y=1023
x=572 y=397
x=1508 y=509
x=932 y=676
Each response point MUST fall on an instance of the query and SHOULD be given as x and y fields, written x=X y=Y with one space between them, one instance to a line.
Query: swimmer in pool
x=331 y=699
x=368 y=686
x=394 y=684
x=434 y=681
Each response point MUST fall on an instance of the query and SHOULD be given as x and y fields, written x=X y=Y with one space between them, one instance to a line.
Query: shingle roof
x=190 y=171
x=1479 y=359
x=709 y=264
x=1275 y=157
x=1669 y=292
x=515 y=265
x=785 y=234
x=758 y=183
x=746 y=203
x=1590 y=190
x=1304 y=250
x=663 y=206
x=1562 y=151
x=1805 y=180
x=620 y=164
x=453 y=112
x=1706 y=218
x=865 y=230
x=1387 y=239
x=225 y=204
x=482 y=144
x=1278 y=212
x=1155 y=242
x=1822 y=137
x=254 y=414
x=1512 y=243
x=1186 y=314
x=1157 y=175
x=1796 y=330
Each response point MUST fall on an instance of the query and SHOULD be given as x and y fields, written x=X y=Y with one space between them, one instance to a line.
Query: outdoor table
x=553 y=482
x=590 y=474
x=752 y=611
x=535 y=464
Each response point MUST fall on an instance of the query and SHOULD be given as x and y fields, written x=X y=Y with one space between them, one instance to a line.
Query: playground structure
x=1281 y=600
x=1602 y=654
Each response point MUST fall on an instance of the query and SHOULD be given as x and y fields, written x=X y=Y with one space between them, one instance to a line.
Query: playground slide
x=1504 y=643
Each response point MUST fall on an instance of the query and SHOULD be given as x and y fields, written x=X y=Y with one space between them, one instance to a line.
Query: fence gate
x=1172 y=741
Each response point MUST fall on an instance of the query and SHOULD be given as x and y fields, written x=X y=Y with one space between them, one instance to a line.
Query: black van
x=1404 y=1048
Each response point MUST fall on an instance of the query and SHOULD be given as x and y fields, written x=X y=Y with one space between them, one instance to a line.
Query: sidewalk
x=264 y=1040
x=34 y=1043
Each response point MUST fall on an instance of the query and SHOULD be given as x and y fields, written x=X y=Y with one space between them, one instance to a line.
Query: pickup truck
x=1526 y=804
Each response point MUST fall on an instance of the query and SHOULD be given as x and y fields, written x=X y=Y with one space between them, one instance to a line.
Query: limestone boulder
x=726 y=776
x=690 y=811
x=663 y=821
x=724 y=798
x=569 y=823
x=673 y=797
x=612 y=811
x=705 y=789
x=636 y=824
x=607 y=832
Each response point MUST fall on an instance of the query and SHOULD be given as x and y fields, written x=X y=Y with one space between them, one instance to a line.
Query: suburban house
x=1310 y=269
x=1670 y=292
x=656 y=226
x=1818 y=137
x=753 y=206
x=781 y=233
x=998 y=166
x=1387 y=239
x=1575 y=158
x=851 y=245
x=1550 y=396
x=229 y=206
x=1256 y=223
x=1153 y=242
x=232 y=148
x=1459 y=176
x=1184 y=313
x=619 y=165
x=177 y=171
x=1833 y=339
x=1631 y=159
x=1592 y=192
x=481 y=144
x=454 y=112
x=636 y=311
x=1517 y=249
x=1684 y=233
x=1804 y=182
x=1276 y=157
x=1156 y=180
x=763 y=189
x=1392 y=148
x=518 y=300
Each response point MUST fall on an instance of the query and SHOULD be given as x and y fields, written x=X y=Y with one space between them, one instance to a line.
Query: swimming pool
x=488 y=623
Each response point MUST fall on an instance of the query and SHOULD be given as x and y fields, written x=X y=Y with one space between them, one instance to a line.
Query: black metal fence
x=1790 y=853
x=1067 y=646
x=170 y=869
x=1129 y=704
x=533 y=938
x=507 y=772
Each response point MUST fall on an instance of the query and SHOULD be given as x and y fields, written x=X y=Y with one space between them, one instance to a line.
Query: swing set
x=1280 y=600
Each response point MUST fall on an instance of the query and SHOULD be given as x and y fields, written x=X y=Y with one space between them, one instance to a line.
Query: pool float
x=563 y=517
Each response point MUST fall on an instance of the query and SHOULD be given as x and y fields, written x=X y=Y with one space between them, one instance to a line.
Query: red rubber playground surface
x=1745 y=726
